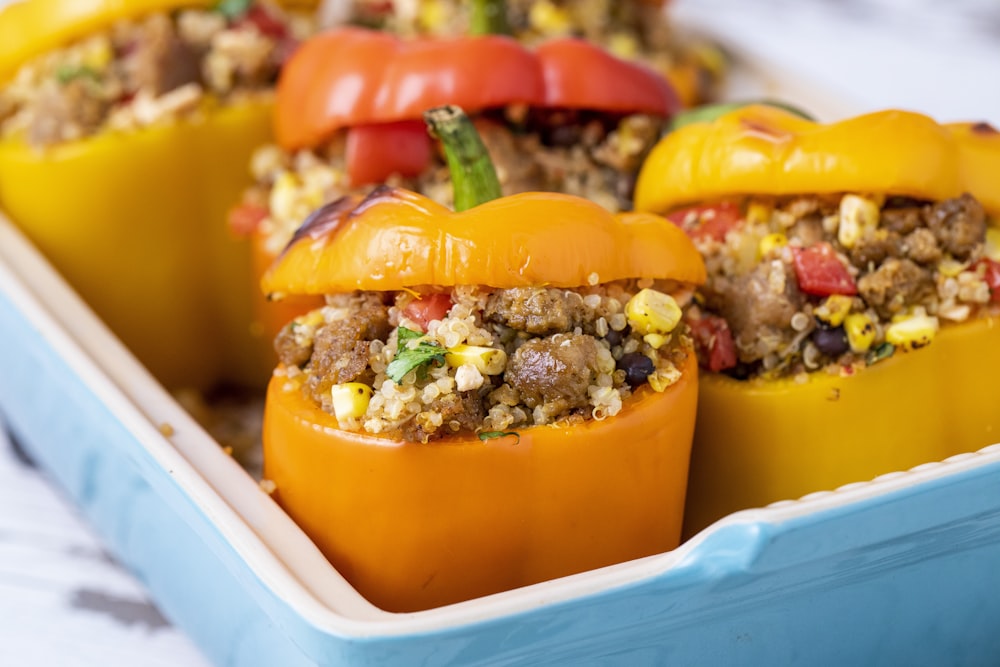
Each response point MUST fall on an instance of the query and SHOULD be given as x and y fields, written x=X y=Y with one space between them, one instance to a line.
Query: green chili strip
x=232 y=9
x=473 y=177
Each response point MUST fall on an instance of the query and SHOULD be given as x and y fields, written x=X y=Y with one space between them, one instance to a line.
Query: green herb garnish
x=407 y=358
x=67 y=73
x=880 y=353
x=491 y=435
x=233 y=9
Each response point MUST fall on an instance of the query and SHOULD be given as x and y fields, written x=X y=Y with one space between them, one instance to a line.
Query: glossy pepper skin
x=415 y=526
x=134 y=220
x=758 y=441
x=352 y=76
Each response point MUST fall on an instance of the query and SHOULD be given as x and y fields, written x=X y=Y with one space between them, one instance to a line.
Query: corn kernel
x=313 y=318
x=548 y=19
x=860 y=332
x=992 y=248
x=912 y=333
x=662 y=378
x=759 y=213
x=350 y=400
x=623 y=45
x=432 y=15
x=98 y=53
x=487 y=360
x=284 y=196
x=834 y=309
x=950 y=268
x=652 y=312
x=769 y=243
x=655 y=340
x=857 y=215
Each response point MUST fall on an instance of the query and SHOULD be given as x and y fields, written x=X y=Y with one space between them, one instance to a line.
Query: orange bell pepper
x=764 y=440
x=404 y=521
x=132 y=218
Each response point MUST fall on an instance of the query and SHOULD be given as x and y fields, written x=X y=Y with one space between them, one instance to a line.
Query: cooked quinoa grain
x=496 y=360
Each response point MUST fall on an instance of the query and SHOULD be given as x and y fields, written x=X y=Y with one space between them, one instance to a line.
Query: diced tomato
x=991 y=275
x=820 y=272
x=713 y=342
x=428 y=308
x=244 y=218
x=375 y=152
x=265 y=23
x=708 y=220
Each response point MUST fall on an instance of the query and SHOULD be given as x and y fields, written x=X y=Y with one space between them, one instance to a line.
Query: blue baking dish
x=897 y=570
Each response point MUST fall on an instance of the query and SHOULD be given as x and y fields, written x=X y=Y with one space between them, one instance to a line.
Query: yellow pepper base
x=758 y=443
x=136 y=222
x=416 y=526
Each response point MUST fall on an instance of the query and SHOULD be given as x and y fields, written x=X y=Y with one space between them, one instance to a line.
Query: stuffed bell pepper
x=634 y=29
x=125 y=129
x=489 y=398
x=849 y=322
x=567 y=116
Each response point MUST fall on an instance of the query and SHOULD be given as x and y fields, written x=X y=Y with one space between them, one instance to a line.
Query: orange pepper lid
x=396 y=239
x=32 y=27
x=765 y=150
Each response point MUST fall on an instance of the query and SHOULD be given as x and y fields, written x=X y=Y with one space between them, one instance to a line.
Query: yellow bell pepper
x=763 y=440
x=135 y=219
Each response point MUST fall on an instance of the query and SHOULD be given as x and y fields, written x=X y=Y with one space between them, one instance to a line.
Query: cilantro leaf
x=407 y=358
x=67 y=73
x=405 y=335
x=232 y=9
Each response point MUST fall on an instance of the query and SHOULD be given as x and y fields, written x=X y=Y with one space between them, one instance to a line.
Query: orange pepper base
x=416 y=526
x=758 y=443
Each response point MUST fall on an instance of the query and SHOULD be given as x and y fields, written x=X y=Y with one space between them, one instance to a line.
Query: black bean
x=637 y=368
x=616 y=337
x=831 y=342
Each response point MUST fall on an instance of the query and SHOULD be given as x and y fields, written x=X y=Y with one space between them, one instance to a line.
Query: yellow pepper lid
x=765 y=150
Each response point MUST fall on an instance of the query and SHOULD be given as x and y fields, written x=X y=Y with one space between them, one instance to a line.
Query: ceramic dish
x=899 y=570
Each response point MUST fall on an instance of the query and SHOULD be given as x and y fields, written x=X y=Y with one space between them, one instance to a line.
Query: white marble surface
x=64 y=600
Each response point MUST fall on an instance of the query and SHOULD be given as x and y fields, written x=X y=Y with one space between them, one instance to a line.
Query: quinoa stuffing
x=836 y=282
x=420 y=367
x=589 y=154
x=150 y=69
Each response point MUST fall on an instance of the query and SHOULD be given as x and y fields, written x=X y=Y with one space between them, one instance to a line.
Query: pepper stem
x=488 y=17
x=473 y=177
